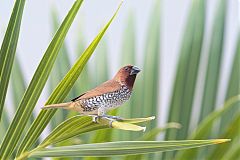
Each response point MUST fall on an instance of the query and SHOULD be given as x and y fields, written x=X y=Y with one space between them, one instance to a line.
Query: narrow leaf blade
x=122 y=148
x=8 y=49
x=205 y=126
x=36 y=86
x=214 y=61
x=61 y=92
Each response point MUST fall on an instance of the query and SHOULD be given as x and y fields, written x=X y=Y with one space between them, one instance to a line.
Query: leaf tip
x=152 y=118
x=217 y=141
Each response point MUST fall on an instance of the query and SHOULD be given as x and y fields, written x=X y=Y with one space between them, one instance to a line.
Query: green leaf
x=214 y=61
x=82 y=124
x=205 y=127
x=233 y=86
x=195 y=50
x=122 y=148
x=187 y=72
x=231 y=118
x=78 y=125
x=232 y=132
x=8 y=49
x=152 y=135
x=36 y=86
x=60 y=68
x=18 y=87
x=233 y=152
x=149 y=105
x=70 y=128
x=187 y=69
x=60 y=92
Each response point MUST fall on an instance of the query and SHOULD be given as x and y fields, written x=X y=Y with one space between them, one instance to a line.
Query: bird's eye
x=126 y=68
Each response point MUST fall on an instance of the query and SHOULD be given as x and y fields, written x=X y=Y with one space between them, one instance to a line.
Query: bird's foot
x=113 y=117
x=94 y=119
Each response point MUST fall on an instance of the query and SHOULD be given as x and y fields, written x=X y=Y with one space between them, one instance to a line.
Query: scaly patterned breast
x=108 y=100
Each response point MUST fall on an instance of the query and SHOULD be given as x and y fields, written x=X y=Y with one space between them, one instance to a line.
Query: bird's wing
x=106 y=87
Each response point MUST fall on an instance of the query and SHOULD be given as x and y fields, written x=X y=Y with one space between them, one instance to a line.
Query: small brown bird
x=105 y=97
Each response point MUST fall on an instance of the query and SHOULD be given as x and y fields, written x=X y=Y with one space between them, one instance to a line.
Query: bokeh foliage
x=64 y=85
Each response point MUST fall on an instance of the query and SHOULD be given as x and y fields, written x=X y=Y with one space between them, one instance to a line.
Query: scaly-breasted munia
x=105 y=97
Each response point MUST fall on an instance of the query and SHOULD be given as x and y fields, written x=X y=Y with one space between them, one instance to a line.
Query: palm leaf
x=151 y=66
x=187 y=69
x=230 y=132
x=195 y=49
x=205 y=126
x=152 y=135
x=233 y=152
x=60 y=92
x=233 y=87
x=36 y=85
x=8 y=49
x=61 y=66
x=18 y=86
x=184 y=85
x=78 y=125
x=230 y=119
x=122 y=148
x=214 y=60
x=81 y=124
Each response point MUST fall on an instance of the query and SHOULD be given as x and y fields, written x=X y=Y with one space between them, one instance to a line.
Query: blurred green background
x=189 y=54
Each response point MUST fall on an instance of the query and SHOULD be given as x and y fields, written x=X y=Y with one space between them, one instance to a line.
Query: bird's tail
x=66 y=105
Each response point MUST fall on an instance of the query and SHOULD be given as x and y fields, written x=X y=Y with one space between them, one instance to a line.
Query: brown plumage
x=106 y=96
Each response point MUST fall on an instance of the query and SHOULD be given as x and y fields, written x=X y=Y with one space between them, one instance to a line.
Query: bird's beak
x=134 y=70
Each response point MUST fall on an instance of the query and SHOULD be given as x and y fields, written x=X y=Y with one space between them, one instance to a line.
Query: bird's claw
x=113 y=117
x=94 y=119
x=118 y=118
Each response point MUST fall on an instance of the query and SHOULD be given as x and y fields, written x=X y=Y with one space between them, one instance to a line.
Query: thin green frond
x=61 y=91
x=122 y=148
x=35 y=88
x=8 y=49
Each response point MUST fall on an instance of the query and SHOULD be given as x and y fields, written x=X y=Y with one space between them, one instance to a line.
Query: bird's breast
x=119 y=97
x=108 y=100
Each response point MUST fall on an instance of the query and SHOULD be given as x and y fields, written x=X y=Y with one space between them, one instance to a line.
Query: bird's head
x=127 y=75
